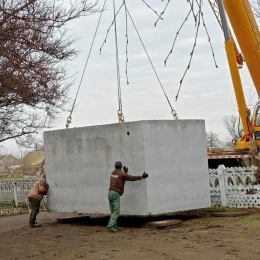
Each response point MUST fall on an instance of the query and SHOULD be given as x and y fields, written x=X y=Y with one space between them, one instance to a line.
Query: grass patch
x=250 y=221
x=6 y=207
x=11 y=177
x=223 y=209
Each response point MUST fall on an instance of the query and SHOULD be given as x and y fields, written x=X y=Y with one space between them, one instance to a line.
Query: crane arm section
x=247 y=34
x=214 y=7
x=244 y=143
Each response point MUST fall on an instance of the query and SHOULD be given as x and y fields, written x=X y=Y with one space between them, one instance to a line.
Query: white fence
x=234 y=187
x=14 y=192
x=228 y=187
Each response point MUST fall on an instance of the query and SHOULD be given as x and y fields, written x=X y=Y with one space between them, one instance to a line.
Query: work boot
x=118 y=228
x=112 y=229
x=34 y=225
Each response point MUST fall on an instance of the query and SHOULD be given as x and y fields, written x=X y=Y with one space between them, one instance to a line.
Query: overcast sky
x=207 y=93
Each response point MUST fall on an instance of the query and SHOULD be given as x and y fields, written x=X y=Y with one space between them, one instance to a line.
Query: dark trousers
x=35 y=203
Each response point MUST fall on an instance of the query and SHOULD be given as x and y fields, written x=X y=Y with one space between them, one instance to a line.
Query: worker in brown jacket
x=117 y=184
x=35 y=197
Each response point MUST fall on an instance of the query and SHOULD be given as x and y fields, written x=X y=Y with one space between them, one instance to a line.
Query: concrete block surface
x=79 y=162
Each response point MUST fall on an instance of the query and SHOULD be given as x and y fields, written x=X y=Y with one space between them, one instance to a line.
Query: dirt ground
x=203 y=238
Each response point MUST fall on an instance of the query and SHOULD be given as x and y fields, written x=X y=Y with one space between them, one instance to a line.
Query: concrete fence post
x=222 y=185
x=15 y=195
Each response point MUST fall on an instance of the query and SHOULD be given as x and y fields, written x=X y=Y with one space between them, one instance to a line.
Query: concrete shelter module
x=79 y=162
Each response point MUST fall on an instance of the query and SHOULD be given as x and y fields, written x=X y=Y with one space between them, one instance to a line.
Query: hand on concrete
x=125 y=169
x=145 y=175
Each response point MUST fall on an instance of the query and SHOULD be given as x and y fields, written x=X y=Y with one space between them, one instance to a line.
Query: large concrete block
x=79 y=162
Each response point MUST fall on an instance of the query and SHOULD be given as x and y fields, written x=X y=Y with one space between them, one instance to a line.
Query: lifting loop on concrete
x=120 y=116
x=68 y=121
x=174 y=113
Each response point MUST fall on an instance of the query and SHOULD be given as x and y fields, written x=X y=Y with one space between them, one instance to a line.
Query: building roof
x=5 y=156
x=2 y=157
x=33 y=158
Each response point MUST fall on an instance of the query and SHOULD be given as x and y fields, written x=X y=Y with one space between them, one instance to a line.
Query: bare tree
x=33 y=47
x=3 y=150
x=233 y=126
x=213 y=139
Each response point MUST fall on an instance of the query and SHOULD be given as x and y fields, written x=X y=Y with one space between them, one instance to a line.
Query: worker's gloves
x=125 y=169
x=145 y=175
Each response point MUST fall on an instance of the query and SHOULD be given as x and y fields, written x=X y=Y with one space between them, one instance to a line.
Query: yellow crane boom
x=247 y=35
x=214 y=7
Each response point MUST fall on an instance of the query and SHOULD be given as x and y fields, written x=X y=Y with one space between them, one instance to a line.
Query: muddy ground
x=201 y=238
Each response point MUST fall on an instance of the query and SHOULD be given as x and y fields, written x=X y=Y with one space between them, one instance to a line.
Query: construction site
x=147 y=187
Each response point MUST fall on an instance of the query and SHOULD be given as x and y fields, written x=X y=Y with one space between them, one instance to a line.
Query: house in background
x=7 y=161
x=31 y=163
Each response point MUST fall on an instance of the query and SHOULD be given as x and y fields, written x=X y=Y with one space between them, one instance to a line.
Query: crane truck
x=247 y=35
